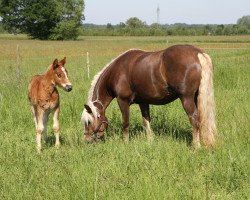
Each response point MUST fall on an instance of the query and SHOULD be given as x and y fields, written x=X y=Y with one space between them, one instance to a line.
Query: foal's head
x=94 y=124
x=60 y=75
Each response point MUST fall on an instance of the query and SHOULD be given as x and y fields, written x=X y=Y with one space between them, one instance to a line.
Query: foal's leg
x=146 y=121
x=45 y=122
x=39 y=128
x=124 y=107
x=56 y=125
x=190 y=107
x=34 y=113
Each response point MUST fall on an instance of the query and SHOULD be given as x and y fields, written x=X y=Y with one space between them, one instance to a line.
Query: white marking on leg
x=196 y=139
x=56 y=126
x=149 y=132
x=38 y=142
x=34 y=115
x=39 y=131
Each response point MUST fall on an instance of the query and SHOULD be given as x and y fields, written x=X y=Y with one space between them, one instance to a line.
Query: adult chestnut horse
x=136 y=76
x=44 y=98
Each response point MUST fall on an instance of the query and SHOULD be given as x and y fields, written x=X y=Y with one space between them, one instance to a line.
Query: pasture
x=169 y=168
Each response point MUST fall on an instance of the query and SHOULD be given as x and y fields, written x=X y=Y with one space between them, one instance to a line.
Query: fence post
x=88 y=64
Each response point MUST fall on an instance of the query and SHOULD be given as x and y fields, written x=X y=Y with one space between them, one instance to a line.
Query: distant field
x=166 y=169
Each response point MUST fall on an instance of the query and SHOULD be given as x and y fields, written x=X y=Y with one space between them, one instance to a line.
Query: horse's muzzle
x=68 y=88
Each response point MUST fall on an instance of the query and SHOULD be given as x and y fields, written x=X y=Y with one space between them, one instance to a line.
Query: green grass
x=166 y=169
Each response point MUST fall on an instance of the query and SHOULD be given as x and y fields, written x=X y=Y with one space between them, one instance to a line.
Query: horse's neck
x=101 y=98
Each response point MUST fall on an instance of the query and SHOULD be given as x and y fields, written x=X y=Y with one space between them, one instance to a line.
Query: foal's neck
x=49 y=83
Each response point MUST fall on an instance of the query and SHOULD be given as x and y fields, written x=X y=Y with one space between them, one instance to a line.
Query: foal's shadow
x=51 y=140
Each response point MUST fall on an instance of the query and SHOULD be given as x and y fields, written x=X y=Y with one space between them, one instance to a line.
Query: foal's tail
x=206 y=104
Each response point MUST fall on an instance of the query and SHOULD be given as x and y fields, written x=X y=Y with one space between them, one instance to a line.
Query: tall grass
x=166 y=169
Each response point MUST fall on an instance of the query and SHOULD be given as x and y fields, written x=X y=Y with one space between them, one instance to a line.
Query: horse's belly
x=156 y=97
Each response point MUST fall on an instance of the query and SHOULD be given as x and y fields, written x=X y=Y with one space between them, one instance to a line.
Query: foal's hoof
x=150 y=139
x=39 y=150
x=126 y=140
x=196 y=145
x=57 y=146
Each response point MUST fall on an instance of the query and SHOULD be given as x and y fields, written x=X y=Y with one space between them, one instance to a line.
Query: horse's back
x=156 y=77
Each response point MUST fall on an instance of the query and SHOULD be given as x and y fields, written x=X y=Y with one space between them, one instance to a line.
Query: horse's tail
x=206 y=104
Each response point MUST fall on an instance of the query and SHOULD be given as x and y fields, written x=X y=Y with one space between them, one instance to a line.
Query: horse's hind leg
x=190 y=107
x=124 y=107
x=146 y=121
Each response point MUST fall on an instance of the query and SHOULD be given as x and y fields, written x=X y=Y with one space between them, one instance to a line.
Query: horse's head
x=60 y=75
x=95 y=124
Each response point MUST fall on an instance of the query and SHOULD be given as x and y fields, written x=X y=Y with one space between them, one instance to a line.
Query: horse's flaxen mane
x=86 y=117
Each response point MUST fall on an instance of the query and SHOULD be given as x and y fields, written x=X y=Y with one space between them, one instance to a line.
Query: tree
x=10 y=13
x=134 y=22
x=70 y=14
x=109 y=26
x=245 y=21
x=43 y=19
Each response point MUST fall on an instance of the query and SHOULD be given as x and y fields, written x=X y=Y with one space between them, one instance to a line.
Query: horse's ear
x=63 y=61
x=88 y=108
x=55 y=64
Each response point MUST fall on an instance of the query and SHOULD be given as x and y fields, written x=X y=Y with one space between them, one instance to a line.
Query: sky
x=171 y=11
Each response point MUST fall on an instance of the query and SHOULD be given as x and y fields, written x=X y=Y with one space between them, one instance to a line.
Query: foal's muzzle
x=68 y=88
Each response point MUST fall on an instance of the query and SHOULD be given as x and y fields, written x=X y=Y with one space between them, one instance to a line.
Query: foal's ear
x=55 y=64
x=88 y=108
x=63 y=61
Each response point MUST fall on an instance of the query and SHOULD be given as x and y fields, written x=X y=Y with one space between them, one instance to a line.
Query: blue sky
x=171 y=11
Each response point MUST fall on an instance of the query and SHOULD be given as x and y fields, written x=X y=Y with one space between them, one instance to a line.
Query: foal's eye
x=59 y=75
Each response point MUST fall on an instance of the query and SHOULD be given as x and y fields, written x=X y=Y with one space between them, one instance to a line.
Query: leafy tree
x=109 y=26
x=245 y=20
x=10 y=12
x=70 y=15
x=121 y=25
x=134 y=22
x=43 y=19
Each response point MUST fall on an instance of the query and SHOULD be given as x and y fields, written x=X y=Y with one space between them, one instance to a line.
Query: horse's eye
x=59 y=75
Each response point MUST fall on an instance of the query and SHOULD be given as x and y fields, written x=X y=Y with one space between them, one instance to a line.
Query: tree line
x=63 y=20
x=135 y=27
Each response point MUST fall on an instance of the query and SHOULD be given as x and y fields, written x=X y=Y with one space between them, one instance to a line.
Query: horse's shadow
x=172 y=130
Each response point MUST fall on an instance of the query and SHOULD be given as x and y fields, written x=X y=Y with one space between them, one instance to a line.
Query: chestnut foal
x=44 y=98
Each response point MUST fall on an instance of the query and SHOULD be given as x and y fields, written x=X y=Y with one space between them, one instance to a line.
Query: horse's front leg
x=124 y=107
x=146 y=121
x=56 y=125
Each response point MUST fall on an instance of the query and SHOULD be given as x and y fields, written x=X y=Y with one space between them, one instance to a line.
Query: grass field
x=166 y=169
